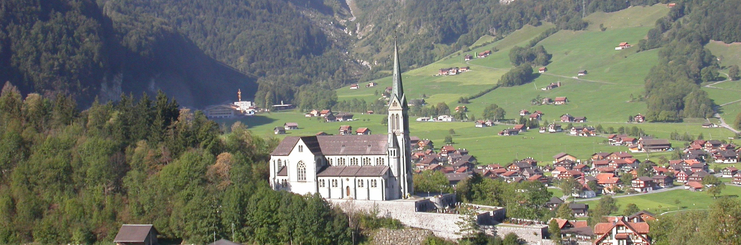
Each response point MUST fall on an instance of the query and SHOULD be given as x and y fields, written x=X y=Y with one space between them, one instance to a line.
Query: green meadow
x=658 y=203
x=603 y=95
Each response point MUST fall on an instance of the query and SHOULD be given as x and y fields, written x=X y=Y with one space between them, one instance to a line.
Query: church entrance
x=348 y=191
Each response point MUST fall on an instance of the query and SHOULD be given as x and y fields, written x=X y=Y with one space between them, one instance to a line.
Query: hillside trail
x=547 y=74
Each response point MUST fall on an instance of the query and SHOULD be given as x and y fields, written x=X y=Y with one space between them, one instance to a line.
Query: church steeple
x=397 y=87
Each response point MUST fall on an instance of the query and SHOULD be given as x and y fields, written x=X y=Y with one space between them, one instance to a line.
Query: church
x=361 y=167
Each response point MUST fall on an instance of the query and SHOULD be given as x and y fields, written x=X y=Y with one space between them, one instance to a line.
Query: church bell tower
x=399 y=148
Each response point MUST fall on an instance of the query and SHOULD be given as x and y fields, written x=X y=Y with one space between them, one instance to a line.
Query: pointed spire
x=398 y=88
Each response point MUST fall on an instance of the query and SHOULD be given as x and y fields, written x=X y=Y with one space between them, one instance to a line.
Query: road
x=724 y=124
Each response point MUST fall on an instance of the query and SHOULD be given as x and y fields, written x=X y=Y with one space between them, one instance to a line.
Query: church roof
x=336 y=145
x=353 y=171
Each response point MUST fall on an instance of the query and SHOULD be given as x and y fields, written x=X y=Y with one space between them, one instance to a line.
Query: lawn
x=667 y=201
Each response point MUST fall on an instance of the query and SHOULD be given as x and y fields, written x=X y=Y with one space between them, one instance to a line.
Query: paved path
x=576 y=78
x=725 y=125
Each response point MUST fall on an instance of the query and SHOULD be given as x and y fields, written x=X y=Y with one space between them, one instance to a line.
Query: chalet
x=524 y=112
x=639 y=118
x=600 y=155
x=547 y=101
x=729 y=172
x=581 y=168
x=279 y=130
x=467 y=57
x=621 y=231
x=600 y=163
x=697 y=176
x=579 y=209
x=661 y=171
x=321 y=133
x=344 y=117
x=346 y=130
x=567 y=118
x=581 y=73
x=561 y=101
x=509 y=132
x=424 y=143
x=519 y=166
x=642 y=216
x=520 y=127
x=709 y=125
x=682 y=176
x=423 y=119
x=484 y=54
x=727 y=156
x=363 y=131
x=653 y=145
x=354 y=86
x=623 y=45
x=535 y=116
x=662 y=181
x=464 y=69
x=454 y=178
x=461 y=108
x=330 y=117
x=567 y=164
x=554 y=128
x=580 y=119
x=445 y=150
x=619 y=155
x=608 y=181
x=371 y=84
x=693 y=186
x=553 y=203
x=671 y=5
x=445 y=118
x=290 y=126
x=324 y=113
x=712 y=145
x=144 y=234
x=539 y=178
x=642 y=184
x=542 y=69
x=736 y=179
x=569 y=174
x=563 y=157
x=483 y=124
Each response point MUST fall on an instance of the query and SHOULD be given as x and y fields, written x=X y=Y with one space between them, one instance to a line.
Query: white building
x=363 y=167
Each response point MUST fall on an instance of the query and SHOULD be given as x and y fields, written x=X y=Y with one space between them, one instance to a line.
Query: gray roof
x=353 y=171
x=336 y=145
x=133 y=233
x=555 y=200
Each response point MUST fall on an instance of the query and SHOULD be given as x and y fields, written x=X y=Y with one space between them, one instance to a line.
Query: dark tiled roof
x=353 y=171
x=336 y=145
x=133 y=233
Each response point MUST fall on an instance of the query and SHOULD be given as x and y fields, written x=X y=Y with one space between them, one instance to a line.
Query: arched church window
x=301 y=171
x=354 y=161
x=341 y=161
x=329 y=161
x=280 y=163
x=396 y=117
x=366 y=161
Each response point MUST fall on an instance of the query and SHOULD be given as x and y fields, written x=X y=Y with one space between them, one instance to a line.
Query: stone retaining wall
x=401 y=237
x=532 y=234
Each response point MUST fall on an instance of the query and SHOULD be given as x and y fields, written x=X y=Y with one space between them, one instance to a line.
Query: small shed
x=582 y=73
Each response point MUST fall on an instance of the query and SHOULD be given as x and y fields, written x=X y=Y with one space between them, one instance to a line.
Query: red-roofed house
x=621 y=232
x=561 y=101
x=363 y=131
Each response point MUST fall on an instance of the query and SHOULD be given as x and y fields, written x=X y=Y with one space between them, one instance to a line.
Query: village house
x=561 y=101
x=363 y=131
x=324 y=113
x=736 y=179
x=681 y=176
x=552 y=86
x=484 y=54
x=567 y=118
x=554 y=128
x=547 y=101
x=729 y=172
x=581 y=73
x=575 y=230
x=653 y=145
x=579 y=209
x=524 y=112
x=467 y=57
x=600 y=155
x=461 y=108
x=371 y=84
x=290 y=126
x=693 y=186
x=553 y=203
x=542 y=69
x=144 y=234
x=279 y=130
x=726 y=156
x=509 y=132
x=580 y=119
x=639 y=118
x=697 y=176
x=520 y=128
x=483 y=124
x=711 y=145
x=448 y=149
x=620 y=231
x=445 y=118
x=354 y=86
x=642 y=184
x=344 y=117
x=662 y=181
x=563 y=157
x=623 y=45
x=346 y=130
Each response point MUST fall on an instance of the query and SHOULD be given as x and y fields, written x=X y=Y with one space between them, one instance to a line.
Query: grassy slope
x=618 y=74
x=687 y=199
x=727 y=91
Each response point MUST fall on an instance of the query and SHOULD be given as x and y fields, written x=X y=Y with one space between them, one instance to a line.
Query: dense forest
x=71 y=47
x=673 y=86
x=72 y=176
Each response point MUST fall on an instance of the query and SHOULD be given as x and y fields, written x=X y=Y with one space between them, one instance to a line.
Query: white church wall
x=302 y=154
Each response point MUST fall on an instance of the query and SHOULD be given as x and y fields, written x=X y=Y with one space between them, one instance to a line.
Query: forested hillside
x=71 y=47
x=74 y=177
x=673 y=86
